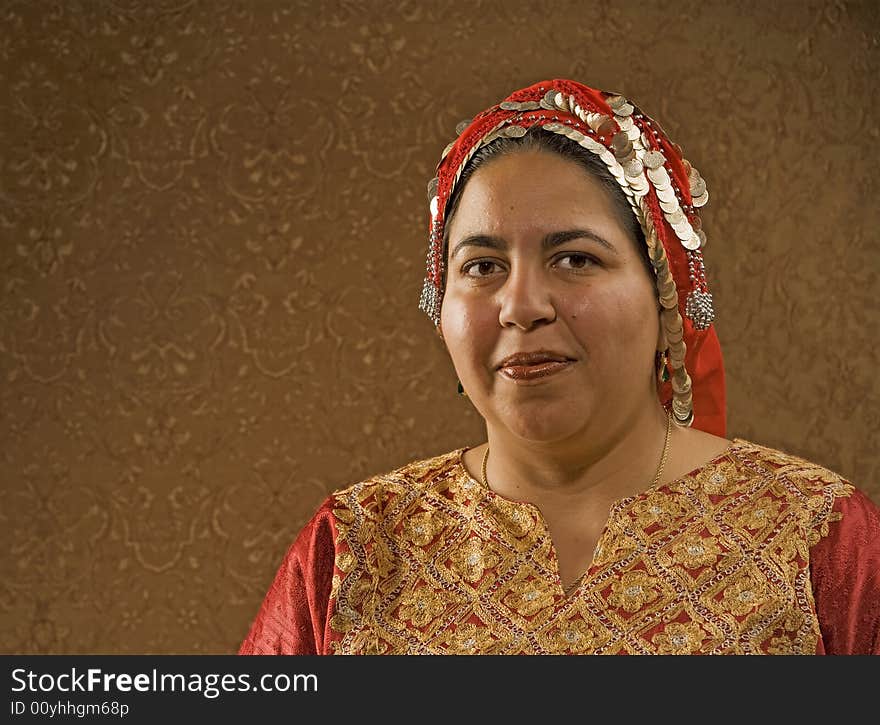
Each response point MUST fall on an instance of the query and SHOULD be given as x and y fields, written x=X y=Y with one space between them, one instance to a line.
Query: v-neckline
x=613 y=511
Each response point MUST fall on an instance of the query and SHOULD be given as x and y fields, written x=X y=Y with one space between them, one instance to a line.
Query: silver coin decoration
x=699 y=309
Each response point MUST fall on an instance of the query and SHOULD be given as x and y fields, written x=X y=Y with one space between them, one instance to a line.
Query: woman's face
x=538 y=259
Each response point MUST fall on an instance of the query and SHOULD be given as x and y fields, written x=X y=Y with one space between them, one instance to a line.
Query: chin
x=542 y=427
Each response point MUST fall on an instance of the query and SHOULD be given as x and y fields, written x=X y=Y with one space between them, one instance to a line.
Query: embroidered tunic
x=757 y=551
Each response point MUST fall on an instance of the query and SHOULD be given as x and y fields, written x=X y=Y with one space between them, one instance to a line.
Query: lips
x=538 y=357
x=525 y=366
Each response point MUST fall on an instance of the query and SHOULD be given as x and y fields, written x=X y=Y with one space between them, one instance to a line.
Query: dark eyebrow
x=553 y=239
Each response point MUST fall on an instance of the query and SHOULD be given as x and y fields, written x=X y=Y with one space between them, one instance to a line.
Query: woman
x=607 y=513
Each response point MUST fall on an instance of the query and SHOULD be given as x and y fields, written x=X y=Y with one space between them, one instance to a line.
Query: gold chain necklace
x=656 y=480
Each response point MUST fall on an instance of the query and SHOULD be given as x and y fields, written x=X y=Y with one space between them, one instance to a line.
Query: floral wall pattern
x=212 y=231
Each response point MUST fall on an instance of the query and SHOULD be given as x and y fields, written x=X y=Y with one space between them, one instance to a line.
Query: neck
x=608 y=463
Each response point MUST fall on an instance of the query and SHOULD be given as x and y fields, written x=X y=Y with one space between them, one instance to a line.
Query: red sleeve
x=293 y=617
x=845 y=573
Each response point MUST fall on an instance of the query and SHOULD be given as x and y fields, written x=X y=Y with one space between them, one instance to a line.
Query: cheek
x=637 y=322
x=613 y=316
x=578 y=308
x=469 y=329
x=585 y=313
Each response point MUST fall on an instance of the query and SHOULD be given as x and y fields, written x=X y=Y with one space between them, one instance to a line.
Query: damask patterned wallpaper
x=213 y=219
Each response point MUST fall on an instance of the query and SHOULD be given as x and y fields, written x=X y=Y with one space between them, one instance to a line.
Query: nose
x=526 y=300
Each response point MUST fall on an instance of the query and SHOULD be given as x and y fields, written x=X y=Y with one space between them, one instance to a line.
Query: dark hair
x=537 y=139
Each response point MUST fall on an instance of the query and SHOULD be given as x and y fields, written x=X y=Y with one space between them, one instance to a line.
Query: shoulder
x=354 y=510
x=748 y=475
x=411 y=480
x=758 y=463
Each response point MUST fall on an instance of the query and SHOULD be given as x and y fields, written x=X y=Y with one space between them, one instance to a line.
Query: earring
x=461 y=389
x=662 y=369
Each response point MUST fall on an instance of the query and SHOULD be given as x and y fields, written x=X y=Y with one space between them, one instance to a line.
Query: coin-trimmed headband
x=665 y=193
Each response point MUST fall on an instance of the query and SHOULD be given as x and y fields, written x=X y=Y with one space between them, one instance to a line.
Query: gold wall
x=213 y=219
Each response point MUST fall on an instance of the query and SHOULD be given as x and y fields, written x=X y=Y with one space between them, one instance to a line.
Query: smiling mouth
x=535 y=371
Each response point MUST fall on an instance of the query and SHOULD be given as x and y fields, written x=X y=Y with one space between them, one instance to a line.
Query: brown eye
x=484 y=267
x=578 y=261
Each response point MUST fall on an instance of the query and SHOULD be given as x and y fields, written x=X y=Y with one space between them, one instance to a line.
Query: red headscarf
x=657 y=180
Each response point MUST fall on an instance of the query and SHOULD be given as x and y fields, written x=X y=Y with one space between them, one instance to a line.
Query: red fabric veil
x=664 y=190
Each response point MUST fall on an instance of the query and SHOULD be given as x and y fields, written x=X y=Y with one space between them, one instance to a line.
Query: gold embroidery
x=423 y=607
x=511 y=517
x=742 y=595
x=694 y=552
x=528 y=598
x=471 y=561
x=571 y=636
x=421 y=529
x=345 y=562
x=468 y=638
x=657 y=508
x=680 y=639
x=764 y=512
x=634 y=590
x=428 y=561
x=723 y=478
